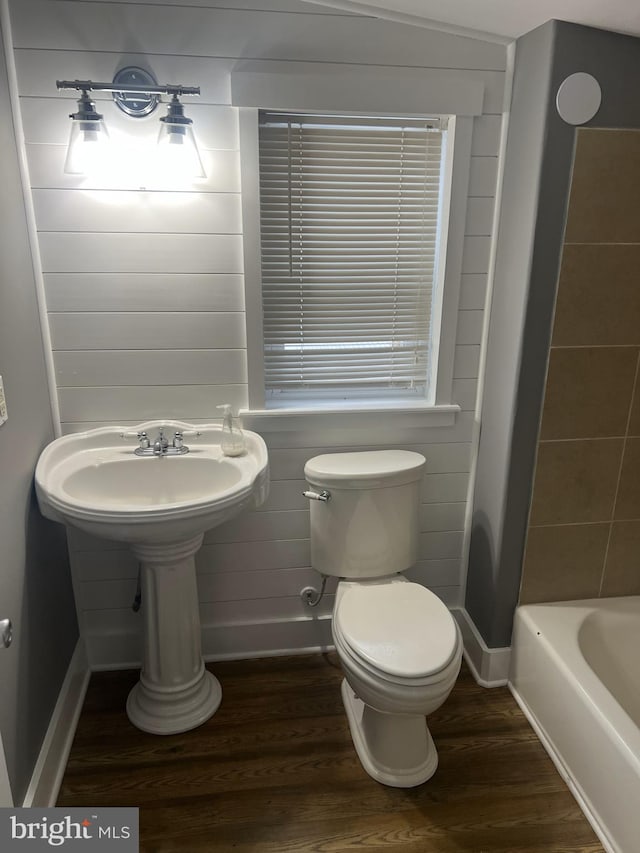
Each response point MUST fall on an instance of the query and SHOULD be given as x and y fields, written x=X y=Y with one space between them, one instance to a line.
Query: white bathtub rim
x=576 y=790
x=602 y=703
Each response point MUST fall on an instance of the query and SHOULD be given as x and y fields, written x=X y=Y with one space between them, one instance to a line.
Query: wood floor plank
x=512 y=826
x=274 y=771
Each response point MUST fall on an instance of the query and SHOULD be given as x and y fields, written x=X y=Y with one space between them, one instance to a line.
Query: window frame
x=441 y=410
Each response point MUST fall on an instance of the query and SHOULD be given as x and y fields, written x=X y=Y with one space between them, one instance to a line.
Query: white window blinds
x=349 y=235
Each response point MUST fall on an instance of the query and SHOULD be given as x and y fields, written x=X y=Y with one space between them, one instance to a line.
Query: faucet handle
x=142 y=437
x=190 y=433
x=178 y=438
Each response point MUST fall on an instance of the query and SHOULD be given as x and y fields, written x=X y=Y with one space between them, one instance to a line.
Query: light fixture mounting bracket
x=136 y=104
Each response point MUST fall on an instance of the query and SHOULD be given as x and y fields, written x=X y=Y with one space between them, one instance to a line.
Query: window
x=352 y=248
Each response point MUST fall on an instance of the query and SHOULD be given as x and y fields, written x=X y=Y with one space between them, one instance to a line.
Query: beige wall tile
x=622 y=568
x=598 y=301
x=589 y=388
x=588 y=392
x=575 y=481
x=603 y=206
x=634 y=420
x=563 y=563
x=628 y=499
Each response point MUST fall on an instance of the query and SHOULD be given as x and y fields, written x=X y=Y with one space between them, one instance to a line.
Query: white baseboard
x=489 y=667
x=52 y=760
x=306 y=635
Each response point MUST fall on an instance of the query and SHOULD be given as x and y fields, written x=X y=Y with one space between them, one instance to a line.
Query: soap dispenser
x=232 y=438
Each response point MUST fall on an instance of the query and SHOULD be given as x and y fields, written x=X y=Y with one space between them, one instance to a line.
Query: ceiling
x=512 y=18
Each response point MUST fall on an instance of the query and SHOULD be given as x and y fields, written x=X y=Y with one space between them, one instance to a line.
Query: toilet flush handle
x=324 y=495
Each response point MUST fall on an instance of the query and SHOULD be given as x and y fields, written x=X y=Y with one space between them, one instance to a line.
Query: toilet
x=398 y=644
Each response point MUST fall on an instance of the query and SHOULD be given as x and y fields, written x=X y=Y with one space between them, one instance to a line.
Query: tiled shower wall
x=584 y=529
x=145 y=293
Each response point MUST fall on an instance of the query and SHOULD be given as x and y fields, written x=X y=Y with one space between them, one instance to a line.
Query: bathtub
x=575 y=672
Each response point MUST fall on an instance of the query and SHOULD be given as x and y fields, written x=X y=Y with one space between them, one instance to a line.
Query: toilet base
x=395 y=749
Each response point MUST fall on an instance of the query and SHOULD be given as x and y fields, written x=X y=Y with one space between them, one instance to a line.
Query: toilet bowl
x=400 y=665
x=399 y=646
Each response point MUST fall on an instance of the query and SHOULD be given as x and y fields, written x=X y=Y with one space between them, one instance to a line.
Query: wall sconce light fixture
x=176 y=142
x=137 y=94
x=88 y=138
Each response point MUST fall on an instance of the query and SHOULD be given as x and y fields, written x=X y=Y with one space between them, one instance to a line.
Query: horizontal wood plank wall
x=145 y=293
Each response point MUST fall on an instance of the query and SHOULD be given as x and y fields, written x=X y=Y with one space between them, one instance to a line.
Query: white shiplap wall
x=145 y=290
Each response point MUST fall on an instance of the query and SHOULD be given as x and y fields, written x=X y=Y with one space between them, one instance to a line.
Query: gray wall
x=537 y=178
x=35 y=587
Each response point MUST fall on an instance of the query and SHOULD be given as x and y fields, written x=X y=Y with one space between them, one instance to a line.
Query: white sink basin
x=93 y=480
x=161 y=506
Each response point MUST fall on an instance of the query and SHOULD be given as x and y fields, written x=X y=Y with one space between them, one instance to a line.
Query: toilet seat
x=386 y=682
x=399 y=632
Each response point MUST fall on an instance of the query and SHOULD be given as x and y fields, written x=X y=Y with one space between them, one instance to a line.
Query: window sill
x=411 y=415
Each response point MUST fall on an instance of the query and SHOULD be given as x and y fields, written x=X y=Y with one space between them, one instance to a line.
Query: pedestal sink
x=161 y=506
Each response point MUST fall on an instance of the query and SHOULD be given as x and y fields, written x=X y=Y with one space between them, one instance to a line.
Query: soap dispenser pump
x=232 y=438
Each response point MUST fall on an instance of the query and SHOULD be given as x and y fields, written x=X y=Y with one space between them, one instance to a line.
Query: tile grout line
x=542 y=440
x=573 y=523
x=554 y=347
x=615 y=498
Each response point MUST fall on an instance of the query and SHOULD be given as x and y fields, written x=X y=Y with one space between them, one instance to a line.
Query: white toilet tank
x=369 y=526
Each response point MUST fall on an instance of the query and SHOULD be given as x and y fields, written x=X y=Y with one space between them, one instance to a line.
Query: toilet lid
x=400 y=628
x=365 y=469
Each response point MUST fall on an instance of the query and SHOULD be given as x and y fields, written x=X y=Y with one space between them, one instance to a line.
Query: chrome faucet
x=161 y=446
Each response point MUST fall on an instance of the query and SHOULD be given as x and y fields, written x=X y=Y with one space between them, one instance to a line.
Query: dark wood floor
x=274 y=771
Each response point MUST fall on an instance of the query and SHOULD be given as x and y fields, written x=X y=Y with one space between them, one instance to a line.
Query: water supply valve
x=6 y=632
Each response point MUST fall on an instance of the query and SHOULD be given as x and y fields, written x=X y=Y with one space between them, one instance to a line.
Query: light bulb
x=88 y=148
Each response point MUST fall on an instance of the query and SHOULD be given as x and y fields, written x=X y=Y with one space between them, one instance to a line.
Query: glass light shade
x=88 y=147
x=178 y=153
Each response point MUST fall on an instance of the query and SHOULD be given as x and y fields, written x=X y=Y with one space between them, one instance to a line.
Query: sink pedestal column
x=175 y=692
